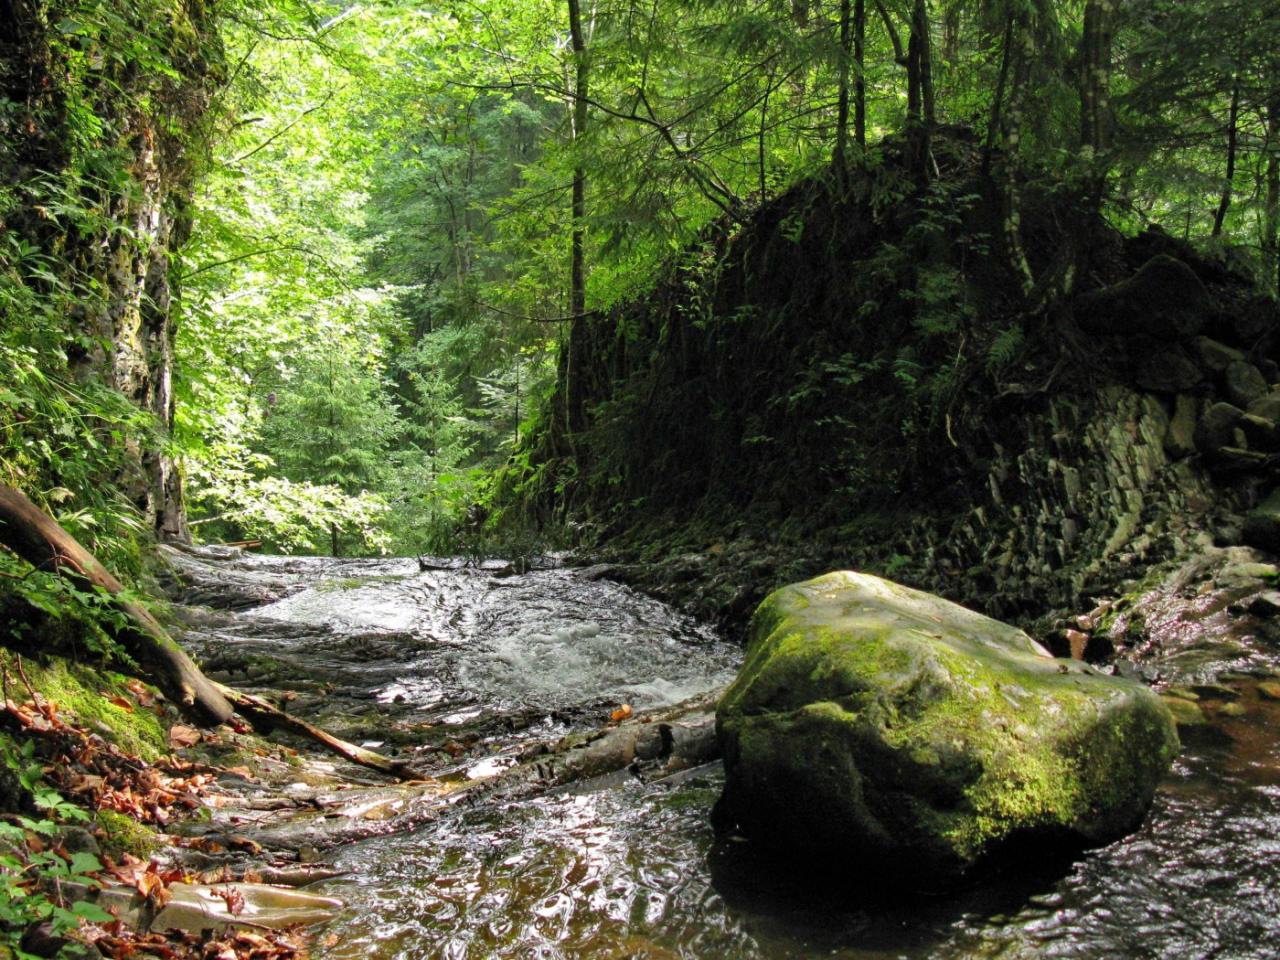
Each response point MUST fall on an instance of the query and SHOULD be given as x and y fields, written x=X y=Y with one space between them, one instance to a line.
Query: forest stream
x=492 y=659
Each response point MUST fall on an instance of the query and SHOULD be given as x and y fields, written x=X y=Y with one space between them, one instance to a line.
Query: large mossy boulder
x=897 y=737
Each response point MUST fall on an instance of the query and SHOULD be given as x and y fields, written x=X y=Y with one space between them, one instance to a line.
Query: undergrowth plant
x=36 y=874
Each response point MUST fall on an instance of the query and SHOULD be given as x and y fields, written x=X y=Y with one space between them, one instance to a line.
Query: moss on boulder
x=884 y=730
x=121 y=834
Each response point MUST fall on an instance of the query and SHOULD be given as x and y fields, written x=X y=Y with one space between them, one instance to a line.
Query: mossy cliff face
x=882 y=729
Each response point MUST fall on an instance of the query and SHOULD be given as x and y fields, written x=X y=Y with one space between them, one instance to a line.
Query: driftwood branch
x=263 y=713
x=35 y=537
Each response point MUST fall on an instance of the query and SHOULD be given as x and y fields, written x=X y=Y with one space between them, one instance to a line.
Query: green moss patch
x=85 y=693
x=120 y=834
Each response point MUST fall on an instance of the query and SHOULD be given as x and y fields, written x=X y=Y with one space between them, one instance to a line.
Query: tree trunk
x=922 y=26
x=860 y=80
x=1233 y=125
x=268 y=717
x=842 y=101
x=997 y=102
x=1021 y=50
x=913 y=78
x=762 y=155
x=951 y=35
x=1271 y=206
x=33 y=535
x=577 y=265
x=1095 y=89
x=581 y=92
x=920 y=97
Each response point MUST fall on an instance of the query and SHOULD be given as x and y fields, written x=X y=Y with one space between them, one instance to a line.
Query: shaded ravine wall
x=670 y=446
x=78 y=109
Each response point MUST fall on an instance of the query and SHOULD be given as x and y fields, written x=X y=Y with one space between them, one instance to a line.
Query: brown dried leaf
x=234 y=900
x=181 y=735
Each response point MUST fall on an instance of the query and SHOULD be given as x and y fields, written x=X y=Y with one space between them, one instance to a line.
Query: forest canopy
x=380 y=219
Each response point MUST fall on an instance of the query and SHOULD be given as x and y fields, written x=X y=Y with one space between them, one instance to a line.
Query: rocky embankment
x=1079 y=495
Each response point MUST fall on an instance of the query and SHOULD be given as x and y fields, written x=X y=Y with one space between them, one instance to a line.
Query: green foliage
x=375 y=288
x=31 y=877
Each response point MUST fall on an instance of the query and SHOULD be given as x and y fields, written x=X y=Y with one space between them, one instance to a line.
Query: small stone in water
x=1269 y=689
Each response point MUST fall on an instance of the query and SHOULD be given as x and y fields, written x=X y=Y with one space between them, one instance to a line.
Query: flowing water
x=621 y=868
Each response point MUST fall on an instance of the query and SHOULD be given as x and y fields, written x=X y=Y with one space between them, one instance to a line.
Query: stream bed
x=463 y=666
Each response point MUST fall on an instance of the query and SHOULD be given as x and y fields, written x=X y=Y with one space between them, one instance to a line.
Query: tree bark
x=1095 y=90
x=269 y=717
x=842 y=102
x=1271 y=205
x=581 y=92
x=920 y=96
x=34 y=536
x=1021 y=51
x=860 y=80
x=922 y=26
x=1233 y=128
x=997 y=102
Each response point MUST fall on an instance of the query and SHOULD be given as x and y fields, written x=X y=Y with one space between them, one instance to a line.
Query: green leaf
x=91 y=912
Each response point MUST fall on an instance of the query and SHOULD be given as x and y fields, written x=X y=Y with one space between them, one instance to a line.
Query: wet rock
x=879 y=726
x=1267 y=407
x=1213 y=355
x=1269 y=690
x=1265 y=604
x=1238 y=458
x=1216 y=691
x=1247 y=572
x=196 y=907
x=1244 y=383
x=1260 y=433
x=1179 y=439
x=1255 y=318
x=1213 y=432
x=79 y=840
x=1262 y=525
x=1227 y=534
x=39 y=940
x=1186 y=713
x=1164 y=299
x=1168 y=370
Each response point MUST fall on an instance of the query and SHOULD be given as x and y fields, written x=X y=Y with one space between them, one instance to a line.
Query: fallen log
x=35 y=537
x=259 y=712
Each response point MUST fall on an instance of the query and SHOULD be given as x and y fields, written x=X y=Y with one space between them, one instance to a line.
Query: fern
x=1004 y=348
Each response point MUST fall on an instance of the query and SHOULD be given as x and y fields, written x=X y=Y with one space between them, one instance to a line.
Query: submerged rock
x=895 y=735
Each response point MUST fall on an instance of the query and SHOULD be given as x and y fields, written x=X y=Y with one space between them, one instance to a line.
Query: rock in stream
x=885 y=731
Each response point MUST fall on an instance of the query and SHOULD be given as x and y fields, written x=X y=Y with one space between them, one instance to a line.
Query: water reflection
x=637 y=872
